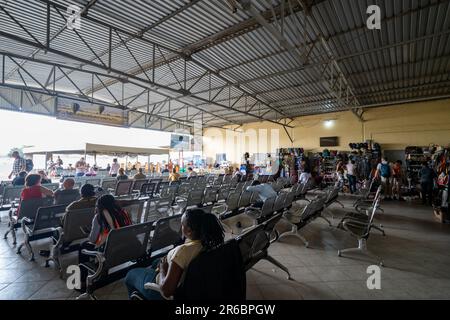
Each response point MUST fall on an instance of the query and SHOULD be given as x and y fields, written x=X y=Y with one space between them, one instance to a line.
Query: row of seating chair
x=359 y=225
x=130 y=247
x=315 y=208
x=224 y=267
x=12 y=193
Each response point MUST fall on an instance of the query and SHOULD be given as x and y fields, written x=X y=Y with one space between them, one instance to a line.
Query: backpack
x=29 y=165
x=385 y=170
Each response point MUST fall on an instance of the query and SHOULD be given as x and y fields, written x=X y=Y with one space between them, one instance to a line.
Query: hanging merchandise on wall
x=441 y=164
x=366 y=155
x=289 y=160
x=414 y=157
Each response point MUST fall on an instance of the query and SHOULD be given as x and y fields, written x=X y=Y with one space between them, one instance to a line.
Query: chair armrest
x=180 y=199
x=224 y=206
x=100 y=258
x=252 y=209
x=92 y=253
x=27 y=220
x=59 y=236
x=85 y=230
x=155 y=287
x=356 y=224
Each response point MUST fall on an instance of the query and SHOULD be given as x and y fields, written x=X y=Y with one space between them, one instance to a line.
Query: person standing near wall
x=397 y=180
x=351 y=176
x=340 y=172
x=114 y=170
x=19 y=165
x=384 y=173
x=427 y=177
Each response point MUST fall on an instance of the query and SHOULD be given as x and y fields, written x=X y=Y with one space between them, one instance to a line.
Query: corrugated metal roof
x=230 y=57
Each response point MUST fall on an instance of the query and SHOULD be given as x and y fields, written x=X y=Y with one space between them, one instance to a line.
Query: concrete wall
x=394 y=127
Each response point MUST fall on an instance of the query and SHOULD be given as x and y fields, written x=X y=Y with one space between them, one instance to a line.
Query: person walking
x=351 y=176
x=19 y=165
x=384 y=173
x=397 y=180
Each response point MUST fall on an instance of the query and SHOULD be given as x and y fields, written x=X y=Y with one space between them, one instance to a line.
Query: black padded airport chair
x=167 y=235
x=254 y=245
x=71 y=234
x=27 y=209
x=298 y=220
x=44 y=225
x=158 y=208
x=223 y=270
x=148 y=190
x=360 y=229
x=67 y=197
x=10 y=194
x=123 y=188
x=193 y=199
x=137 y=185
x=109 y=185
x=125 y=247
x=261 y=214
x=96 y=182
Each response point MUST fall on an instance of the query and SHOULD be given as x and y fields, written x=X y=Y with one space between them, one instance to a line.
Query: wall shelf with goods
x=366 y=155
x=289 y=161
x=323 y=165
x=441 y=164
x=415 y=156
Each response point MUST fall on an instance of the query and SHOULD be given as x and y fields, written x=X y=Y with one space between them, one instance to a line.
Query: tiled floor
x=415 y=252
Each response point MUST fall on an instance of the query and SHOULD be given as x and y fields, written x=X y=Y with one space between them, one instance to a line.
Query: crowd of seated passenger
x=87 y=200
x=33 y=189
x=202 y=231
x=122 y=175
x=174 y=175
x=66 y=190
x=140 y=175
x=109 y=216
x=44 y=178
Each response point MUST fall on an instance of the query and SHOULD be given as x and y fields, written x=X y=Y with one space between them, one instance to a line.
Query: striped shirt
x=18 y=165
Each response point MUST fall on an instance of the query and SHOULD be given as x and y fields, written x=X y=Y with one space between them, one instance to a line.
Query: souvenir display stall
x=289 y=161
x=366 y=155
x=441 y=164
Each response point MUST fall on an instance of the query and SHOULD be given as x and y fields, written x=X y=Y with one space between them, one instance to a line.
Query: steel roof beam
x=128 y=76
x=182 y=55
x=94 y=74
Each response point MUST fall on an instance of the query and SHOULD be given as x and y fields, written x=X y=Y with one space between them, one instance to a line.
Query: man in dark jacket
x=427 y=178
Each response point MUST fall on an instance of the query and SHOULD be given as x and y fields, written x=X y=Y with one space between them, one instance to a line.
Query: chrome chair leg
x=340 y=203
x=326 y=220
x=279 y=265
x=294 y=233
x=362 y=248
x=86 y=296
x=379 y=229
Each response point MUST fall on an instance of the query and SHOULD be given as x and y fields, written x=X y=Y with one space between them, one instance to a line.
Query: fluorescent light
x=328 y=123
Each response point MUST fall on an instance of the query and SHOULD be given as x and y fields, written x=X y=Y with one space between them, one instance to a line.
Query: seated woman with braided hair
x=202 y=231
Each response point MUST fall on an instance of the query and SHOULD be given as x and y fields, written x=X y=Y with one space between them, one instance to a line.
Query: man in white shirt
x=351 y=176
x=80 y=167
x=114 y=168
